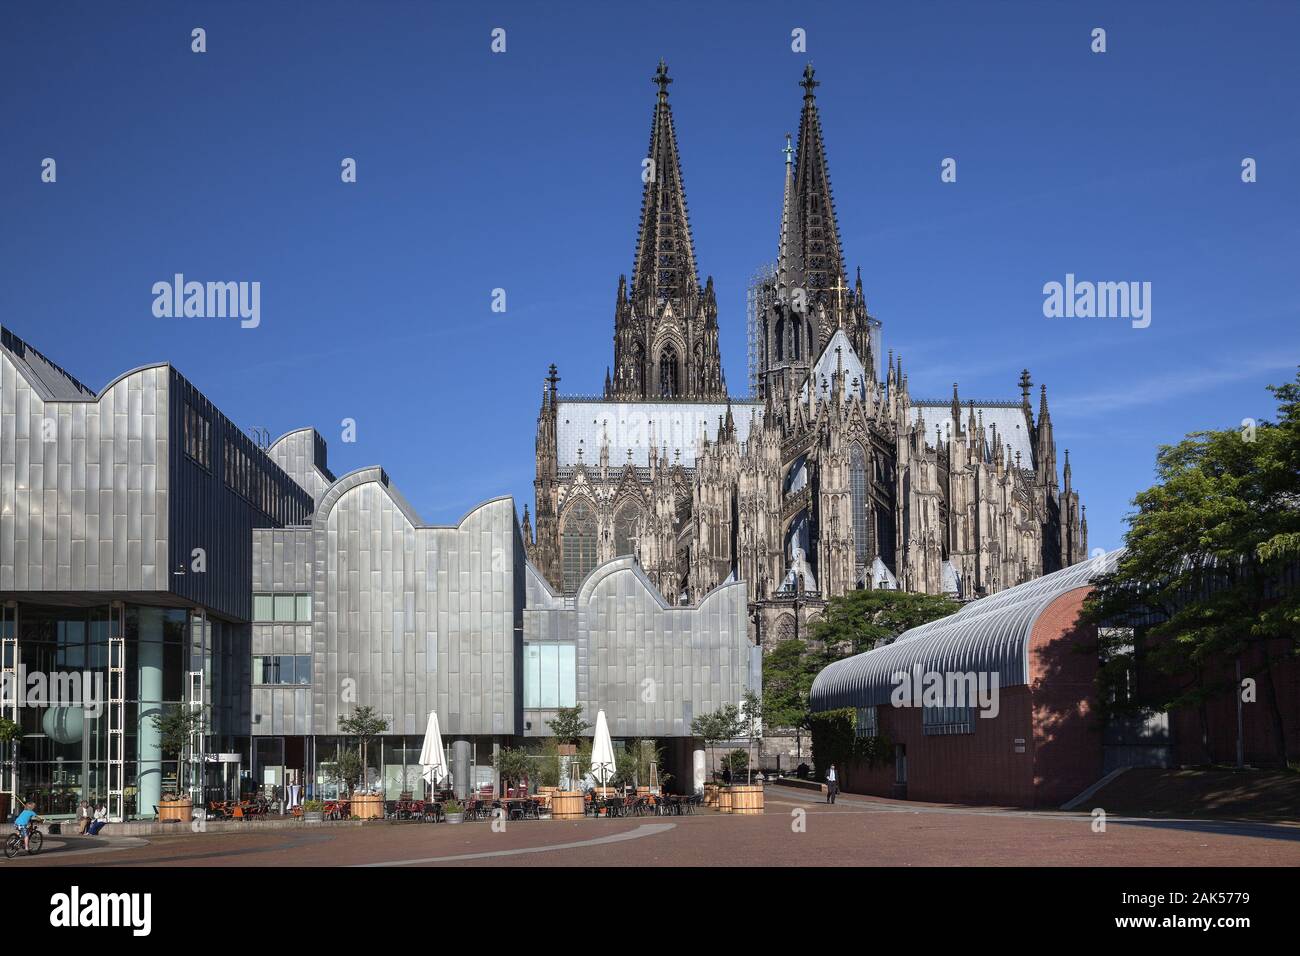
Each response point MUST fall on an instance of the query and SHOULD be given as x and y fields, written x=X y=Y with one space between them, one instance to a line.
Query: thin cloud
x=1169 y=386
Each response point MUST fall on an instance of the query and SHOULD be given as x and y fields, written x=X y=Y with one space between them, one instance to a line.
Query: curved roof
x=988 y=635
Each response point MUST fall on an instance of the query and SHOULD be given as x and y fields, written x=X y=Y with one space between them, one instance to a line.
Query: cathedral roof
x=1007 y=417
x=830 y=361
x=639 y=426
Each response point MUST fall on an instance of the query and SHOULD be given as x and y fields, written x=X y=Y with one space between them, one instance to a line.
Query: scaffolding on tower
x=756 y=302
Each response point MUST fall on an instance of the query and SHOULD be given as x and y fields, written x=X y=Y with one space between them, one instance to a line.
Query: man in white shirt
x=832 y=784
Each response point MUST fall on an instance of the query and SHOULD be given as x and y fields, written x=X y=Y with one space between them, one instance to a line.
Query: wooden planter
x=368 y=806
x=566 y=805
x=175 y=811
x=747 y=798
x=711 y=795
x=724 y=799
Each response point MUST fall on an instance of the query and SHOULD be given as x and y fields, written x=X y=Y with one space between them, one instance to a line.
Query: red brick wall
x=980 y=768
x=1054 y=717
x=1063 y=688
x=1258 y=734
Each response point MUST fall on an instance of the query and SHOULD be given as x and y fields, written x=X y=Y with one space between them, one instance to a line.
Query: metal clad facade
x=85 y=485
x=989 y=636
x=650 y=666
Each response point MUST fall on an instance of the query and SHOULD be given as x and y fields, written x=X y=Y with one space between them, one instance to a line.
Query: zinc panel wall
x=85 y=498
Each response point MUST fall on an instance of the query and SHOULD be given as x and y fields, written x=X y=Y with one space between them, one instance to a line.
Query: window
x=197 y=437
x=867 y=725
x=668 y=384
x=282 y=608
x=579 y=544
x=860 y=505
x=626 y=529
x=550 y=675
x=282 y=669
x=939 y=721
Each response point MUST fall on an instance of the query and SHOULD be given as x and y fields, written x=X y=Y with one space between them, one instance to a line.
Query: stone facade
x=830 y=477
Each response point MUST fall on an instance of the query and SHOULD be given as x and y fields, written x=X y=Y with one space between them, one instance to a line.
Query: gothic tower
x=665 y=324
x=808 y=297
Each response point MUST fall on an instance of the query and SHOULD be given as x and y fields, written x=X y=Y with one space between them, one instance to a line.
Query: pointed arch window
x=578 y=541
x=627 y=524
x=860 y=505
x=669 y=385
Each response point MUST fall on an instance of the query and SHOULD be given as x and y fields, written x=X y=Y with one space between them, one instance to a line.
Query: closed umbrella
x=602 y=751
x=433 y=759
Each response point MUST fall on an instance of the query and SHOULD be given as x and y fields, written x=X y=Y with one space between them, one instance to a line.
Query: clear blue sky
x=521 y=171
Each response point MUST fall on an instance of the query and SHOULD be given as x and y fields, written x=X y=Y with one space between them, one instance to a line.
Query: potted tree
x=453 y=811
x=512 y=765
x=714 y=728
x=546 y=770
x=313 y=811
x=175 y=728
x=569 y=726
x=365 y=724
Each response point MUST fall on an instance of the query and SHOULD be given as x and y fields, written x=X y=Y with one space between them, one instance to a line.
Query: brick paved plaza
x=856 y=831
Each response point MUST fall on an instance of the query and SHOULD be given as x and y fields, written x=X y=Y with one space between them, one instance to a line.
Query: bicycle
x=14 y=845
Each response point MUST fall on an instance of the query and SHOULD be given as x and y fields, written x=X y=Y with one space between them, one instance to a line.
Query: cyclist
x=23 y=823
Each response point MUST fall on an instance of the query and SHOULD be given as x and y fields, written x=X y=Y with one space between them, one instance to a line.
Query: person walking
x=832 y=784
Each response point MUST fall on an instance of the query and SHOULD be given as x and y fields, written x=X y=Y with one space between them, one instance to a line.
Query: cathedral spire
x=665 y=256
x=823 y=261
x=789 y=255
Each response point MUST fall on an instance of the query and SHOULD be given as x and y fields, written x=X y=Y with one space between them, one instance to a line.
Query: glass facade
x=63 y=754
x=550 y=675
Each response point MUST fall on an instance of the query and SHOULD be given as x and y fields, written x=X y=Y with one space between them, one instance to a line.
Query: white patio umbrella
x=602 y=751
x=433 y=759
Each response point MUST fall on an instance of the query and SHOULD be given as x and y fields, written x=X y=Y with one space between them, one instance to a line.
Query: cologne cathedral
x=827 y=476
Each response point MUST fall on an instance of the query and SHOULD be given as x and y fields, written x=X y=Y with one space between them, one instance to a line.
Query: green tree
x=1208 y=551
x=513 y=765
x=345 y=771
x=853 y=623
x=568 y=725
x=365 y=724
x=789 y=670
x=717 y=727
x=175 y=726
x=546 y=764
x=859 y=621
x=751 y=720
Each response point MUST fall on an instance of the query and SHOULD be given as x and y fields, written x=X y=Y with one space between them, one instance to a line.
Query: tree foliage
x=1209 y=551
x=835 y=741
x=854 y=622
x=513 y=764
x=365 y=724
x=568 y=725
x=859 y=621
